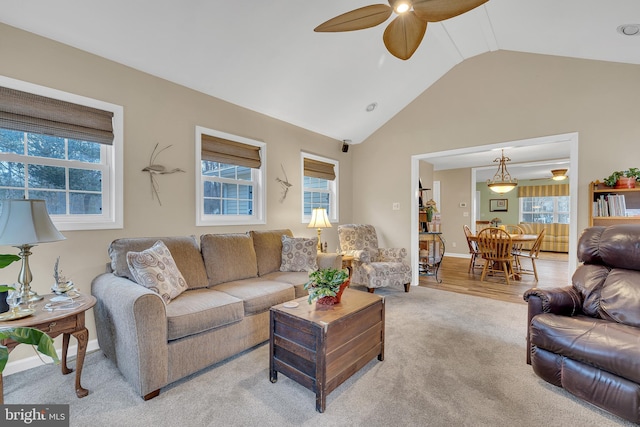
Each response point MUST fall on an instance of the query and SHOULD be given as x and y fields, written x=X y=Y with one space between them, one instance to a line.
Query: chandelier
x=502 y=181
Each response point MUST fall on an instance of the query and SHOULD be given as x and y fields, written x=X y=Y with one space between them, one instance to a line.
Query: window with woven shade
x=319 y=186
x=230 y=179
x=64 y=149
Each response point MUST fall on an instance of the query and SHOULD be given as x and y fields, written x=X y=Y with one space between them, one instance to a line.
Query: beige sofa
x=556 y=236
x=232 y=279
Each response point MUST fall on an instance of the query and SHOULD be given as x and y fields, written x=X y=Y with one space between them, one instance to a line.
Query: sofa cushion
x=297 y=279
x=607 y=345
x=154 y=268
x=184 y=250
x=228 y=257
x=268 y=247
x=200 y=310
x=258 y=294
x=299 y=254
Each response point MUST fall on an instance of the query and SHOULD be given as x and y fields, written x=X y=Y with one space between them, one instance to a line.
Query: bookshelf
x=611 y=206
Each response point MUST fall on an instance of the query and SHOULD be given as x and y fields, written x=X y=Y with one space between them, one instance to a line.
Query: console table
x=429 y=263
x=55 y=322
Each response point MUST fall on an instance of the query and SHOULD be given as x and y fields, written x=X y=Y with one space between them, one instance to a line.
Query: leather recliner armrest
x=562 y=301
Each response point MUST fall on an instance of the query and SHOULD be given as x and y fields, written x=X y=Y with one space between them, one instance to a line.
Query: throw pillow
x=154 y=268
x=299 y=254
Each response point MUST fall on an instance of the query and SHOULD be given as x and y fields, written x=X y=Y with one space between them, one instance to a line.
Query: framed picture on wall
x=498 y=205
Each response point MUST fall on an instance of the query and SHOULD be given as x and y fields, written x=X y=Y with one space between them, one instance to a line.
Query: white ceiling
x=264 y=55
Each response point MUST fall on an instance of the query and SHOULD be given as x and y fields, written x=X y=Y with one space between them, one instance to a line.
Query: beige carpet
x=450 y=360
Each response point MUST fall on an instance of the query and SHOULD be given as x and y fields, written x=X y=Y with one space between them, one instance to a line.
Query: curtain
x=318 y=169
x=27 y=112
x=222 y=150
x=544 y=190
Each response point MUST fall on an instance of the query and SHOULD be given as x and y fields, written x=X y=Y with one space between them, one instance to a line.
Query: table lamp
x=319 y=220
x=25 y=223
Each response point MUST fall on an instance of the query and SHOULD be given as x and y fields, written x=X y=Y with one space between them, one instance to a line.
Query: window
x=62 y=148
x=230 y=179
x=545 y=210
x=319 y=186
x=544 y=203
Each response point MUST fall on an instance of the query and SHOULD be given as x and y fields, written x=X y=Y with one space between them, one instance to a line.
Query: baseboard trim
x=34 y=361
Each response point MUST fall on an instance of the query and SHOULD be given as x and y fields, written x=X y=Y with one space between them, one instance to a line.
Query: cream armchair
x=372 y=266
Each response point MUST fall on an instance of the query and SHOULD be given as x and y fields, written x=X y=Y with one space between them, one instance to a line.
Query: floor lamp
x=25 y=223
x=319 y=220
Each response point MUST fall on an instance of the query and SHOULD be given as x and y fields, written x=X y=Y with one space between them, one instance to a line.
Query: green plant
x=325 y=283
x=23 y=335
x=629 y=173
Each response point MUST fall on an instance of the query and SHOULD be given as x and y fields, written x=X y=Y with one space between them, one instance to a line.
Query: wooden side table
x=347 y=262
x=53 y=323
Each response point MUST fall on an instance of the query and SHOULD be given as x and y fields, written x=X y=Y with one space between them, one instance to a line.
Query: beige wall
x=156 y=111
x=499 y=97
x=495 y=97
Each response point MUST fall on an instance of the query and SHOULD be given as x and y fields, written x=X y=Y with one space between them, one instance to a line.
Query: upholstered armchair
x=372 y=266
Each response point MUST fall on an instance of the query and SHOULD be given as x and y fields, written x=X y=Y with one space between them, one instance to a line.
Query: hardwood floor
x=552 y=272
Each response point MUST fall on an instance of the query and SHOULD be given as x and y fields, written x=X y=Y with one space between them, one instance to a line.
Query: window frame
x=112 y=216
x=334 y=186
x=258 y=180
x=555 y=213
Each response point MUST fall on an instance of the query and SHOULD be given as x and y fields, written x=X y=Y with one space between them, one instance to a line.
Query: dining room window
x=546 y=210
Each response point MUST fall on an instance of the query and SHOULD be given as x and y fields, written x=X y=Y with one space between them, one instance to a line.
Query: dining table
x=517 y=239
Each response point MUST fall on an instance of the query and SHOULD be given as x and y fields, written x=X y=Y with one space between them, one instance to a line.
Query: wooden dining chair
x=495 y=246
x=532 y=254
x=517 y=246
x=473 y=249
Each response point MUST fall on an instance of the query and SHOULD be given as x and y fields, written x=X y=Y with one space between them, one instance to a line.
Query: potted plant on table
x=623 y=179
x=326 y=285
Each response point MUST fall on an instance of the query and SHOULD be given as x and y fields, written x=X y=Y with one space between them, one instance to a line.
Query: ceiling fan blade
x=358 y=19
x=439 y=10
x=404 y=34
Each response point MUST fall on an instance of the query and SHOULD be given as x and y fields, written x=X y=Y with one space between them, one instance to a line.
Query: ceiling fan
x=404 y=34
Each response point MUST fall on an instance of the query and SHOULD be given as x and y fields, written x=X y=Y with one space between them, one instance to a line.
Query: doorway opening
x=549 y=145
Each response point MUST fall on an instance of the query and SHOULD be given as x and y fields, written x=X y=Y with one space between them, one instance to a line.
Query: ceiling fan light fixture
x=502 y=182
x=559 y=174
x=402 y=7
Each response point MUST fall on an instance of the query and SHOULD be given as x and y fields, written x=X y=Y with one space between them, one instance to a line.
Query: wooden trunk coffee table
x=320 y=347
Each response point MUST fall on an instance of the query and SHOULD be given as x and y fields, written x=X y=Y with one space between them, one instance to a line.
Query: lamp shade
x=26 y=222
x=319 y=219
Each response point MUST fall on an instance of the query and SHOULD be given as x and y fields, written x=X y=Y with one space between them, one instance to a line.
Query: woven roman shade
x=544 y=190
x=318 y=169
x=27 y=112
x=222 y=150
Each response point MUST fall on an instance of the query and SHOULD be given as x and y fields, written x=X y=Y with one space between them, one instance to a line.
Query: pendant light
x=502 y=182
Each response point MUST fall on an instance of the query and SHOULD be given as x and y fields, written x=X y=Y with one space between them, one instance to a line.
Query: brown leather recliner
x=586 y=337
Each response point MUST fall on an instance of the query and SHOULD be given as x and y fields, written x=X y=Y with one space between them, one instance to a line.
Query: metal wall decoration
x=284 y=184
x=155 y=169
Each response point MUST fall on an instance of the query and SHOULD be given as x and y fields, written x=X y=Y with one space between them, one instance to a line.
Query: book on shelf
x=610 y=205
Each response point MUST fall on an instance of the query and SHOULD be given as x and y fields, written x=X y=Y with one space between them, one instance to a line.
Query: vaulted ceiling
x=265 y=56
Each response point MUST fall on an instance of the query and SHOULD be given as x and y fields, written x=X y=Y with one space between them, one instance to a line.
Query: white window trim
x=334 y=215
x=113 y=188
x=259 y=204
